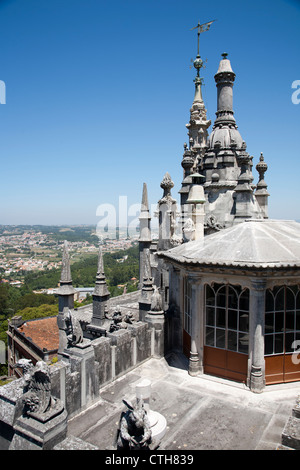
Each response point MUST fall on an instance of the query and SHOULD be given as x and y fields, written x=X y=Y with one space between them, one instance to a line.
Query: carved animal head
x=137 y=412
x=24 y=364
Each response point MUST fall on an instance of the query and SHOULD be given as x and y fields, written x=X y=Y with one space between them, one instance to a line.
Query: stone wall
x=78 y=382
x=78 y=378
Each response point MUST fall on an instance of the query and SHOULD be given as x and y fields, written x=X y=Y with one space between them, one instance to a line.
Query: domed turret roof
x=255 y=243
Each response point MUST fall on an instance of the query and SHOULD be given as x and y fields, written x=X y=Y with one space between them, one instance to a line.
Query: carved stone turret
x=227 y=166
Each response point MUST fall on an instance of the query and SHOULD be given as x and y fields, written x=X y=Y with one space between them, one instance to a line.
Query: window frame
x=273 y=334
x=213 y=329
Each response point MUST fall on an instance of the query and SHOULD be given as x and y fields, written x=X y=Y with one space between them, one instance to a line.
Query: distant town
x=39 y=248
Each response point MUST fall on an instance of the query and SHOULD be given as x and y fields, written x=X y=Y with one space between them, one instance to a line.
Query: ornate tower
x=197 y=132
x=198 y=124
x=226 y=164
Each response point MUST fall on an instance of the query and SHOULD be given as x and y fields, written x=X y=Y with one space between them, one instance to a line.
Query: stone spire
x=145 y=238
x=99 y=322
x=193 y=155
x=65 y=285
x=167 y=213
x=101 y=292
x=145 y=217
x=66 y=270
x=65 y=299
x=101 y=289
x=198 y=124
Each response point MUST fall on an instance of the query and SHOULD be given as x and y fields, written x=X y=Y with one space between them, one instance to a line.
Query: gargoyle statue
x=134 y=431
x=74 y=330
x=36 y=396
x=156 y=301
x=119 y=321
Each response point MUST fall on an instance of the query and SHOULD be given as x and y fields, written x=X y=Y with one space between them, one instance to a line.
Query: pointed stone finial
x=225 y=65
x=145 y=203
x=101 y=288
x=65 y=291
x=100 y=269
x=66 y=269
x=145 y=217
x=261 y=192
x=261 y=167
x=167 y=183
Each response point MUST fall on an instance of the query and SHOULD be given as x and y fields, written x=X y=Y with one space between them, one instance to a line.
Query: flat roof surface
x=202 y=413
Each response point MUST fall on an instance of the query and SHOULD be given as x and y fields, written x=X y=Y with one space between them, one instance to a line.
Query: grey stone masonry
x=291 y=433
x=226 y=165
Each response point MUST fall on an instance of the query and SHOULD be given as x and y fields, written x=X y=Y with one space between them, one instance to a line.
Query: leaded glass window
x=227 y=317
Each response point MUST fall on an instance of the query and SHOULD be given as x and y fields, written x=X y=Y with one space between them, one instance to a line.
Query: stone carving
x=156 y=301
x=188 y=230
x=134 y=431
x=37 y=399
x=120 y=321
x=211 y=222
x=73 y=329
x=26 y=365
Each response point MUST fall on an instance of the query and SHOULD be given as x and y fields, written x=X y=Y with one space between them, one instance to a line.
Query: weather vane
x=201 y=29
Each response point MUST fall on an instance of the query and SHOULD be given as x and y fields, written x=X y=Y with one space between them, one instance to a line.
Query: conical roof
x=255 y=243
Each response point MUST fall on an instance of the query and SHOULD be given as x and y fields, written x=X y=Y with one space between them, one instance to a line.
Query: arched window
x=227 y=317
x=282 y=320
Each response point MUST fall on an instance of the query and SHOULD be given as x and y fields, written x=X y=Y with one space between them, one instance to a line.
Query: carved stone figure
x=188 y=230
x=134 y=431
x=74 y=330
x=156 y=301
x=212 y=223
x=36 y=398
x=119 y=321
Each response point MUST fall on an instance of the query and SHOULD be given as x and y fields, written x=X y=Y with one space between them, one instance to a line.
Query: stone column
x=257 y=317
x=156 y=321
x=196 y=360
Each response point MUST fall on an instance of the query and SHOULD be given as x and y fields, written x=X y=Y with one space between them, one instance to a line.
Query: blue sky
x=98 y=94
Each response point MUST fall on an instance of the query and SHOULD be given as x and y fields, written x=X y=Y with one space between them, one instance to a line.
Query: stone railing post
x=257 y=318
x=196 y=354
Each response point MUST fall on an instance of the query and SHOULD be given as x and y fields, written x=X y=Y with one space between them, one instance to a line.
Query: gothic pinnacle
x=66 y=270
